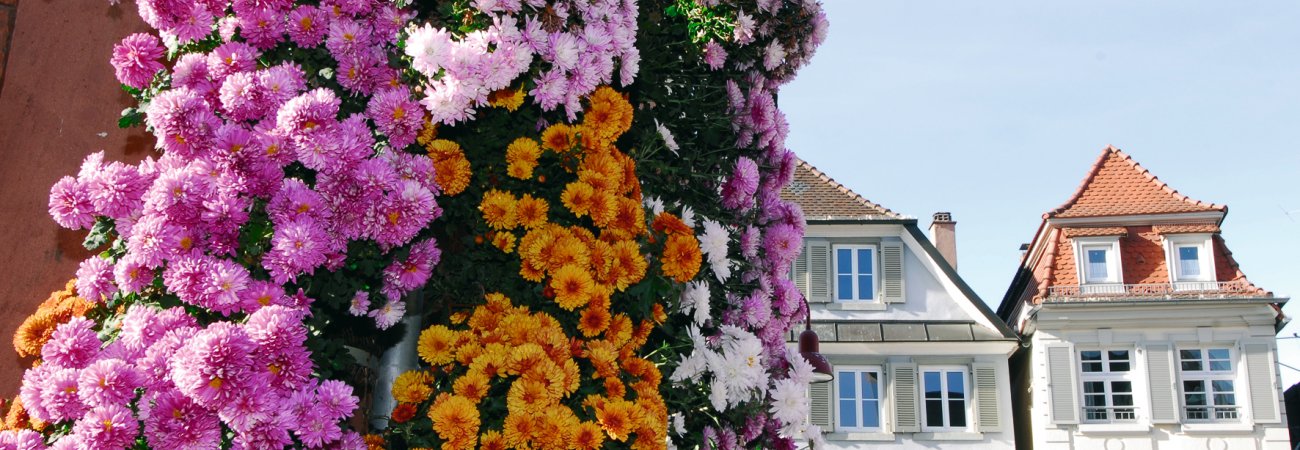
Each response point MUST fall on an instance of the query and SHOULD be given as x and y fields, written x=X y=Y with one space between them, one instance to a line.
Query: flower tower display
x=583 y=195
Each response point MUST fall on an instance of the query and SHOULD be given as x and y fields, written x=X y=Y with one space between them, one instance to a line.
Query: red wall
x=59 y=101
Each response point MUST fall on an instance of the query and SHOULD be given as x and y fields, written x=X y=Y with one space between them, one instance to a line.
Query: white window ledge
x=1114 y=428
x=1212 y=428
x=949 y=436
x=860 y=436
x=857 y=306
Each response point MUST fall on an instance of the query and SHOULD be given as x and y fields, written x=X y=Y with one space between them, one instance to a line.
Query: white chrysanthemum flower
x=688 y=216
x=714 y=244
x=655 y=205
x=679 y=423
x=800 y=370
x=669 y=140
x=428 y=48
x=774 y=55
x=789 y=402
x=696 y=298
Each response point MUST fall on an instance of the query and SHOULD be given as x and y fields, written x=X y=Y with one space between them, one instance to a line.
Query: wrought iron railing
x=1218 y=412
x=1109 y=413
x=1175 y=290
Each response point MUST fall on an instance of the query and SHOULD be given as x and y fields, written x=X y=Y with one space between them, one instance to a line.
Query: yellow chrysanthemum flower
x=572 y=286
x=498 y=208
x=578 y=197
x=527 y=396
x=456 y=420
x=560 y=137
x=504 y=240
x=588 y=436
x=681 y=257
x=617 y=417
x=412 y=386
x=491 y=440
x=521 y=158
x=531 y=212
x=473 y=385
x=437 y=345
x=451 y=167
x=608 y=115
x=427 y=133
x=594 y=320
x=509 y=98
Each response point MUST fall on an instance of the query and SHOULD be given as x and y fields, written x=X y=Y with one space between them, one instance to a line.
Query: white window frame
x=943 y=381
x=1108 y=378
x=1208 y=377
x=1114 y=270
x=835 y=272
x=858 y=400
x=1204 y=244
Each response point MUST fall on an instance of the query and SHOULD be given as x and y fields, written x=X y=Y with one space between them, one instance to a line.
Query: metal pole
x=399 y=358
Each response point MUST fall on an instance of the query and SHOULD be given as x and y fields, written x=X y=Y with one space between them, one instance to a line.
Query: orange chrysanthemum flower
x=473 y=385
x=491 y=440
x=681 y=257
x=604 y=208
x=498 y=208
x=604 y=356
x=451 y=167
x=404 y=412
x=560 y=137
x=530 y=212
x=505 y=241
x=375 y=442
x=608 y=115
x=572 y=286
x=617 y=417
x=17 y=417
x=668 y=223
x=57 y=309
x=588 y=436
x=456 y=420
x=594 y=320
x=427 y=133
x=413 y=386
x=437 y=345
x=518 y=430
x=509 y=98
x=521 y=158
x=527 y=396
x=578 y=197
x=615 y=388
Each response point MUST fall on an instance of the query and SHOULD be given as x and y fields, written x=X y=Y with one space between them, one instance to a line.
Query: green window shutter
x=1263 y=390
x=891 y=268
x=1160 y=378
x=800 y=271
x=819 y=396
x=906 y=410
x=819 y=271
x=1062 y=383
x=985 y=376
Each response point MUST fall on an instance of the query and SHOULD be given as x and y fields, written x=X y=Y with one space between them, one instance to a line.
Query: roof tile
x=1117 y=185
x=821 y=197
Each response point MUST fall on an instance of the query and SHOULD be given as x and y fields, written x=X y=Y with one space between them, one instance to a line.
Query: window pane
x=870 y=384
x=1097 y=265
x=1218 y=353
x=934 y=413
x=1189 y=354
x=1094 y=400
x=1220 y=366
x=1192 y=366
x=865 y=290
x=1090 y=355
x=1121 y=386
x=870 y=413
x=1094 y=387
x=1124 y=400
x=932 y=387
x=843 y=261
x=1221 y=386
x=1119 y=366
x=956 y=387
x=1194 y=386
x=848 y=389
x=957 y=413
x=1225 y=399
x=1118 y=355
x=1195 y=399
x=844 y=287
x=1189 y=264
x=1092 y=367
x=866 y=262
x=848 y=413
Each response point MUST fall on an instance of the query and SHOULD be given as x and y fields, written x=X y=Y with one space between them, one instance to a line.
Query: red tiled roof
x=1188 y=228
x=1094 y=231
x=1117 y=185
x=821 y=197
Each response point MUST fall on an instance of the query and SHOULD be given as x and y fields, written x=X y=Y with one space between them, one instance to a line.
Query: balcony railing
x=1193 y=290
x=1217 y=412
x=1109 y=413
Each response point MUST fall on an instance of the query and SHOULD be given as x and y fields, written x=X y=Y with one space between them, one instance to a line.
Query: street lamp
x=810 y=349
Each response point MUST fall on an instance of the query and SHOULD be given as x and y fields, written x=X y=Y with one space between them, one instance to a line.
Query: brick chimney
x=943 y=231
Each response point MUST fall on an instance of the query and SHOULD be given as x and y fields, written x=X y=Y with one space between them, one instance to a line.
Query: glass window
x=1209 y=393
x=946 y=399
x=1189 y=262
x=855 y=272
x=858 y=398
x=1107 y=385
x=1099 y=263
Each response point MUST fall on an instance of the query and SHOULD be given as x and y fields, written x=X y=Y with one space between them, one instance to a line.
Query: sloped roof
x=1117 y=185
x=821 y=197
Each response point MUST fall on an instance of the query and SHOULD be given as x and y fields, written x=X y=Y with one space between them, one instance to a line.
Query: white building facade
x=1143 y=332
x=919 y=360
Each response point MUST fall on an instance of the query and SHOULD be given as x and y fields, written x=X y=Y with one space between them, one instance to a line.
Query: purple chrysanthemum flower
x=388 y=315
x=21 y=440
x=95 y=279
x=232 y=57
x=59 y=395
x=191 y=71
x=281 y=83
x=297 y=246
x=195 y=25
x=73 y=344
x=173 y=420
x=360 y=304
x=714 y=55
x=241 y=97
x=308 y=25
x=136 y=59
x=261 y=294
x=108 y=427
x=405 y=276
x=308 y=113
x=213 y=367
x=347 y=37
x=182 y=121
x=738 y=191
x=336 y=399
x=155 y=365
x=396 y=115
x=70 y=204
x=404 y=213
x=781 y=243
x=262 y=27
x=316 y=428
x=276 y=327
x=108 y=382
x=117 y=190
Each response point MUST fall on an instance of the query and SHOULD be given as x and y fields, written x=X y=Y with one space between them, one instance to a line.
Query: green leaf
x=100 y=234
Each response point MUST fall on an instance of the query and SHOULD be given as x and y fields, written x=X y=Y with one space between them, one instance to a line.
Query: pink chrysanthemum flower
x=738 y=191
x=221 y=291
x=308 y=113
x=396 y=115
x=108 y=427
x=261 y=294
x=70 y=204
x=404 y=213
x=182 y=121
x=262 y=27
x=276 y=327
x=117 y=190
x=30 y=392
x=404 y=276
x=108 y=382
x=295 y=200
x=281 y=83
x=356 y=72
x=308 y=26
x=195 y=25
x=714 y=55
x=73 y=344
x=213 y=367
x=388 y=315
x=21 y=440
x=271 y=432
x=241 y=97
x=68 y=442
x=155 y=365
x=346 y=38
x=191 y=71
x=232 y=57
x=298 y=246
x=172 y=420
x=136 y=59
x=336 y=398
x=247 y=409
x=59 y=395
x=316 y=428
x=360 y=304
x=95 y=279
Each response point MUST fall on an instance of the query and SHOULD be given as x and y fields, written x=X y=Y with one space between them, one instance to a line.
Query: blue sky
x=995 y=110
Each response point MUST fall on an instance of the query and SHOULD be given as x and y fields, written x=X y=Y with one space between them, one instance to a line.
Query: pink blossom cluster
x=180 y=385
x=570 y=47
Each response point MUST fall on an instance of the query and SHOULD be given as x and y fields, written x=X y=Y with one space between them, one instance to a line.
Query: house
x=919 y=360
x=1292 y=401
x=1142 y=330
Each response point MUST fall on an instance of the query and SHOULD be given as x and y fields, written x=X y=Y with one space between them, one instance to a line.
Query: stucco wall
x=59 y=102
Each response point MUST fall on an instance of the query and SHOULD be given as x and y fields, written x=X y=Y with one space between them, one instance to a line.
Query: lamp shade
x=810 y=349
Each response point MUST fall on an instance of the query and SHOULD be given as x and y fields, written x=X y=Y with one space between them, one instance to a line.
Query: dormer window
x=1098 y=261
x=1191 y=261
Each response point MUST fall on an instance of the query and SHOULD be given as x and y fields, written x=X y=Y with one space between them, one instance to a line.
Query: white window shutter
x=800 y=272
x=1160 y=378
x=1259 y=373
x=1062 y=383
x=819 y=396
x=891 y=268
x=985 y=376
x=907 y=411
x=819 y=271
